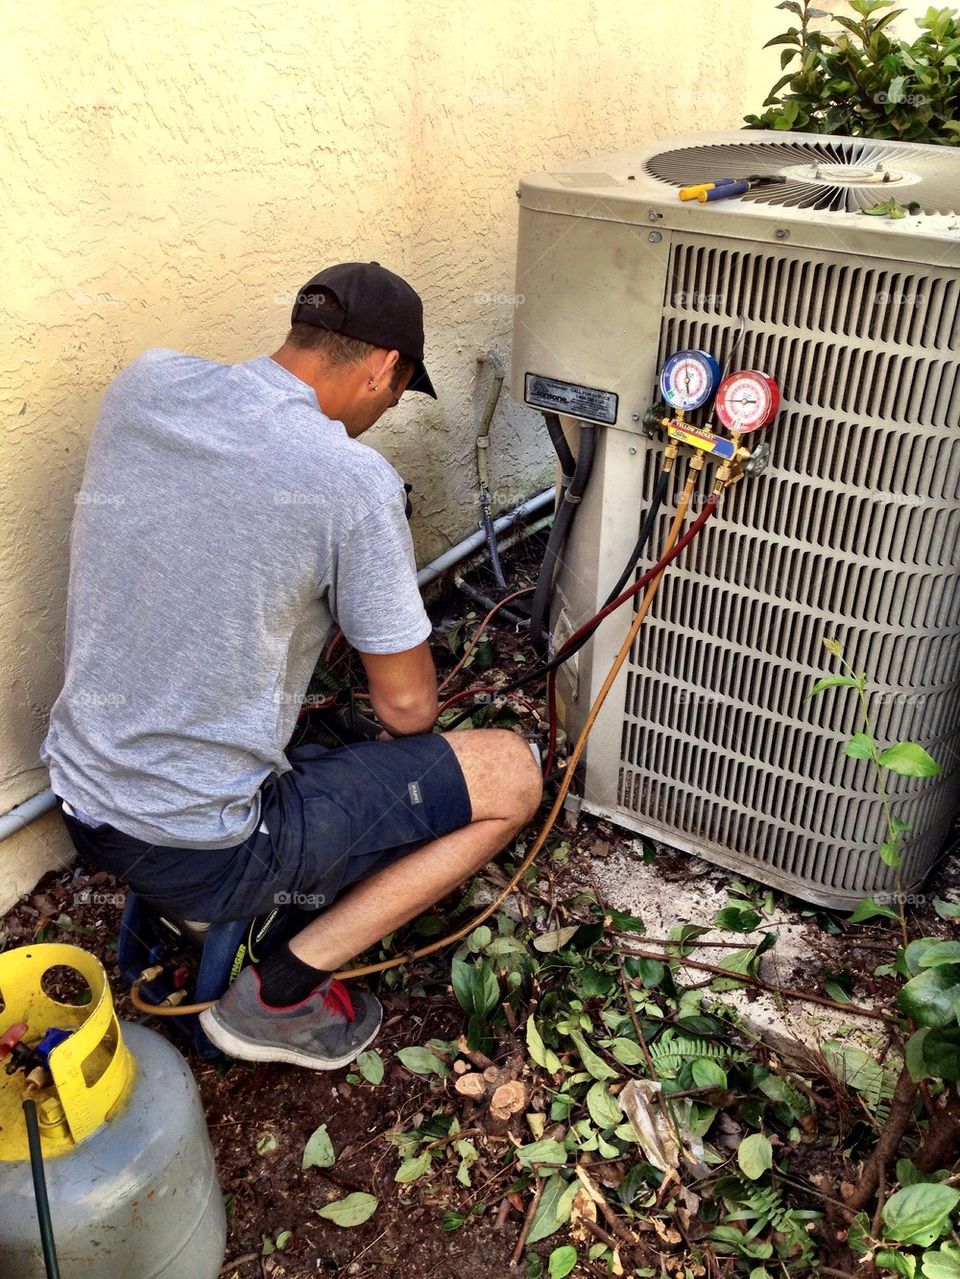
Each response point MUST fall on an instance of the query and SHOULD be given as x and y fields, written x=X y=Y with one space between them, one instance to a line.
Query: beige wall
x=174 y=170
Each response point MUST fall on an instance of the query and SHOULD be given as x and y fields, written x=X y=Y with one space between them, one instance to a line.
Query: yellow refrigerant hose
x=696 y=465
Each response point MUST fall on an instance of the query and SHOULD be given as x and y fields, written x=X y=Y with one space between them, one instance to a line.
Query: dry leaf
x=653 y=1128
x=583 y=1207
x=667 y=1233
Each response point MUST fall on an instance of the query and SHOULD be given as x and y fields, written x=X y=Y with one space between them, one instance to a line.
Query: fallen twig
x=786 y=992
x=527 y=1222
x=479 y=1059
x=240 y=1261
x=598 y=1232
x=625 y=982
x=693 y=943
x=455 y=1136
x=616 y=1225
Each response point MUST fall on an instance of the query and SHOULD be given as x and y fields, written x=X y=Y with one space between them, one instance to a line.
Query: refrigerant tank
x=129 y=1167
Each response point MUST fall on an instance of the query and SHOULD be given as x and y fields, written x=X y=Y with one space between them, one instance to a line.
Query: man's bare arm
x=403 y=689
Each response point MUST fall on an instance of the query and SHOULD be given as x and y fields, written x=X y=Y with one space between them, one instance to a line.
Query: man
x=228 y=516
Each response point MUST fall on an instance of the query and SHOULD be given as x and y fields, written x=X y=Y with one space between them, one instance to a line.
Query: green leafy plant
x=920 y=1213
x=861 y=80
x=760 y=1226
x=590 y=1020
x=908 y=759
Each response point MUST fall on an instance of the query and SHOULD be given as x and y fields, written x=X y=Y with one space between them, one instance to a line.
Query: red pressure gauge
x=747 y=401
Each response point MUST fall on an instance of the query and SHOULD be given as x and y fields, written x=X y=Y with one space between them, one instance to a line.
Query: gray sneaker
x=323 y=1032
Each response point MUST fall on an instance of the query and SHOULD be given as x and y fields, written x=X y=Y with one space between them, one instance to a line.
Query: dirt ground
x=260 y=1117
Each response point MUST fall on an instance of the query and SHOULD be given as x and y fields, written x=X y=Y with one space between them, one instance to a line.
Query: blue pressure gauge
x=688 y=379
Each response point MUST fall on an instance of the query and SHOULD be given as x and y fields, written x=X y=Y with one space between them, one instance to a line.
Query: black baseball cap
x=366 y=301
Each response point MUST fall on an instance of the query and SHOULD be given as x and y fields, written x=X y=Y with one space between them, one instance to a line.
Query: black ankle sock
x=285 y=979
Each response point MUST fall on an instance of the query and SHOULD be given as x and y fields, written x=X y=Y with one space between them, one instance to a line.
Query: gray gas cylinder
x=137 y=1197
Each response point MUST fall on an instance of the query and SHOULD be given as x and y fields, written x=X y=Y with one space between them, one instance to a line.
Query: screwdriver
x=693 y=193
x=739 y=187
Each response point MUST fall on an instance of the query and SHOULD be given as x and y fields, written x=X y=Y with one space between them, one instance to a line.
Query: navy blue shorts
x=335 y=817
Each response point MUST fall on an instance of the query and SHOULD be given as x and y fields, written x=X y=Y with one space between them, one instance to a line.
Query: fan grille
x=836 y=174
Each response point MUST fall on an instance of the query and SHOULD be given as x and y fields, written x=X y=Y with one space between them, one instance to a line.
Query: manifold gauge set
x=743 y=402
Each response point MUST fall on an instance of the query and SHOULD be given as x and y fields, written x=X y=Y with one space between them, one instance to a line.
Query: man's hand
x=403 y=689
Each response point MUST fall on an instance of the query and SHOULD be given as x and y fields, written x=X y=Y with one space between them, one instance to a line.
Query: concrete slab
x=676 y=888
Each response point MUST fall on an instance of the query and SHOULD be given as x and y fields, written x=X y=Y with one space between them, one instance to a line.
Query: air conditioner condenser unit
x=707 y=740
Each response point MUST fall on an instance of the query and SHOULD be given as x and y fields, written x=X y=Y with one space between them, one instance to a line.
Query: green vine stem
x=893 y=831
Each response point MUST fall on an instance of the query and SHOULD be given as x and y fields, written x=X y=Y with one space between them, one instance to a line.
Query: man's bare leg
x=505 y=788
x=287 y=1009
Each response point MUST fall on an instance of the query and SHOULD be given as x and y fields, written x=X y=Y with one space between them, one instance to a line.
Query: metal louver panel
x=831 y=174
x=853 y=532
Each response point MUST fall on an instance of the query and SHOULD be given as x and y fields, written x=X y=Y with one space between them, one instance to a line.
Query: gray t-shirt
x=223 y=523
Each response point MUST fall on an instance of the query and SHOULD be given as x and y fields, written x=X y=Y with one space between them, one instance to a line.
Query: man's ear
x=383 y=364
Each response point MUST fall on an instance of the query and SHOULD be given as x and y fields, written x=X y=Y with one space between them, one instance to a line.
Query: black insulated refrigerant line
x=50 y=1263
x=559 y=441
x=644 y=536
x=572 y=487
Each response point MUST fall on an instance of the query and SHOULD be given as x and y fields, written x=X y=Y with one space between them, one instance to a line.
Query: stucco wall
x=175 y=170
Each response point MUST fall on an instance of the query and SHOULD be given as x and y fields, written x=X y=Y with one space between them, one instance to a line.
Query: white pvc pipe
x=37 y=805
x=448 y=559
x=26 y=812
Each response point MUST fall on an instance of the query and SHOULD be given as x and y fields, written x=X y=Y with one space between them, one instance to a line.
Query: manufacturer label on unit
x=566 y=397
